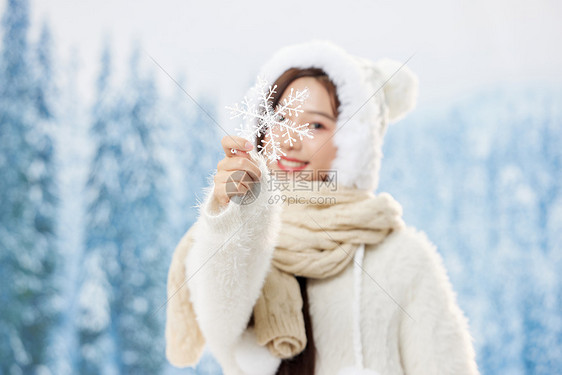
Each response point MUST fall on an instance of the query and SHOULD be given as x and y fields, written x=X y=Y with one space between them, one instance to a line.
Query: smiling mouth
x=291 y=165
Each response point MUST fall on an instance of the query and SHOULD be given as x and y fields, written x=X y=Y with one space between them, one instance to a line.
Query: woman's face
x=309 y=157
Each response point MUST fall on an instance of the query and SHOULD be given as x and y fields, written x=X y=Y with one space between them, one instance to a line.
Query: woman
x=330 y=281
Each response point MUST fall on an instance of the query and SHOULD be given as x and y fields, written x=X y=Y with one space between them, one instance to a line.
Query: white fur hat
x=371 y=95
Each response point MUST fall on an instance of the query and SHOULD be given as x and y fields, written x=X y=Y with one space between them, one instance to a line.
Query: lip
x=292 y=159
x=285 y=168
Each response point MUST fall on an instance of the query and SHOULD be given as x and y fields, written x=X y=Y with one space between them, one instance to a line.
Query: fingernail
x=248 y=146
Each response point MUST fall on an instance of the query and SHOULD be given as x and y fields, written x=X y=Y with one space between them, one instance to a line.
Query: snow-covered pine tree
x=73 y=148
x=205 y=142
x=538 y=134
x=44 y=175
x=177 y=155
x=100 y=259
x=28 y=198
x=191 y=150
x=141 y=227
x=126 y=235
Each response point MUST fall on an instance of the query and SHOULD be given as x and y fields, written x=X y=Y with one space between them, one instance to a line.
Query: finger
x=240 y=164
x=230 y=188
x=237 y=177
x=237 y=143
x=246 y=180
x=236 y=188
x=221 y=194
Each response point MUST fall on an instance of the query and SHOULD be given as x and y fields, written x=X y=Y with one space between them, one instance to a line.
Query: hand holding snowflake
x=262 y=119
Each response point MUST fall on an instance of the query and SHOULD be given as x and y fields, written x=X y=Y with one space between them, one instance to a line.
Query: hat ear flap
x=400 y=89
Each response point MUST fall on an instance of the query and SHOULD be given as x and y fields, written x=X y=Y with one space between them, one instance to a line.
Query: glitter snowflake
x=262 y=119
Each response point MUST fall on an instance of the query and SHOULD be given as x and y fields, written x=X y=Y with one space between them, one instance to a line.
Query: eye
x=316 y=125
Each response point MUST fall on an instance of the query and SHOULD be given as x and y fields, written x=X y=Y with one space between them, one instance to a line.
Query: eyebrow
x=322 y=114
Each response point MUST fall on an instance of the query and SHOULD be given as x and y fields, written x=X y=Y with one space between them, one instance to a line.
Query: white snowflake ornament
x=262 y=119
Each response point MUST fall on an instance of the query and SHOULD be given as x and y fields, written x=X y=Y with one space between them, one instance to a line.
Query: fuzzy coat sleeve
x=227 y=265
x=436 y=339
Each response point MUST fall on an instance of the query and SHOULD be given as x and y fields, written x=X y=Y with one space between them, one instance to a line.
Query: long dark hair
x=303 y=363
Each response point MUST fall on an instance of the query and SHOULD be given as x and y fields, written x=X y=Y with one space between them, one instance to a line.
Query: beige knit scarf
x=320 y=232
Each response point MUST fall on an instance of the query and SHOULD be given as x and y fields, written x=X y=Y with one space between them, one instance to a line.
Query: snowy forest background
x=95 y=196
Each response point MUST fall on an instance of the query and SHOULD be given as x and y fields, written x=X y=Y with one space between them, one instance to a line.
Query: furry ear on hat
x=401 y=90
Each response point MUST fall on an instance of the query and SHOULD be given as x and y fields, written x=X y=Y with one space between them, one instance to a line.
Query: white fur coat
x=410 y=321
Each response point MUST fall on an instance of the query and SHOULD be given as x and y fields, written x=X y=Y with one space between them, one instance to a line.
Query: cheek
x=323 y=147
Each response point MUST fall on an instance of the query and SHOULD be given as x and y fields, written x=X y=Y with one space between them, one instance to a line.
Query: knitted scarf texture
x=321 y=229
